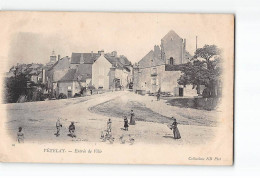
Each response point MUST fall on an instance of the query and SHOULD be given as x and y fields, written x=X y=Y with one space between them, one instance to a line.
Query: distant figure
x=58 y=126
x=108 y=137
x=102 y=135
x=109 y=125
x=72 y=130
x=20 y=135
x=158 y=94
x=122 y=139
x=125 y=123
x=175 y=130
x=131 y=140
x=132 y=120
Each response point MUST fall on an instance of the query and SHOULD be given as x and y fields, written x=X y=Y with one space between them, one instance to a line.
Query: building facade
x=103 y=71
x=155 y=71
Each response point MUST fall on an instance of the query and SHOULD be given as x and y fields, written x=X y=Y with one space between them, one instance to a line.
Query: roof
x=120 y=62
x=84 y=70
x=81 y=73
x=170 y=34
x=88 y=58
x=69 y=76
x=62 y=63
x=150 y=59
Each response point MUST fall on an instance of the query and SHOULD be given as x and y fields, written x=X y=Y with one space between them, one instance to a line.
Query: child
x=20 y=135
x=72 y=130
x=102 y=135
x=122 y=140
x=125 y=123
x=58 y=126
x=131 y=140
x=109 y=125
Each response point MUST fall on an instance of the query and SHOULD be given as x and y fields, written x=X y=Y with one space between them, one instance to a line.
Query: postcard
x=116 y=88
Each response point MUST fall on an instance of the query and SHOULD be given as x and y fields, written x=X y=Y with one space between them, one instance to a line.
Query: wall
x=123 y=76
x=166 y=80
x=100 y=73
x=63 y=87
x=172 y=47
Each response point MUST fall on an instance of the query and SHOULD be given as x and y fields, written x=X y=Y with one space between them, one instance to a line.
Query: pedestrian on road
x=158 y=94
x=132 y=120
x=109 y=125
x=125 y=123
x=175 y=130
x=58 y=126
x=72 y=130
x=20 y=135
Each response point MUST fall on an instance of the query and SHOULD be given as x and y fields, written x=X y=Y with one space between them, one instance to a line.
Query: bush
x=62 y=96
x=77 y=95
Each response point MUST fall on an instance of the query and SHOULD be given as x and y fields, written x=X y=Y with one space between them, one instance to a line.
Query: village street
x=91 y=113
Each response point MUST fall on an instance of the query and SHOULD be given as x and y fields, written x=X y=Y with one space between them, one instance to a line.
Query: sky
x=31 y=36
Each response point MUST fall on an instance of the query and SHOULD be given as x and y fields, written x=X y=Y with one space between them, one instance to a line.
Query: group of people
x=107 y=135
x=72 y=129
x=132 y=120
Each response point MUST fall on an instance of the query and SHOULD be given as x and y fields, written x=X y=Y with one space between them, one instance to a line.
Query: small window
x=172 y=61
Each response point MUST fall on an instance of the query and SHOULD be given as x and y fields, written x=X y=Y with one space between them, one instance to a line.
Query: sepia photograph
x=117 y=88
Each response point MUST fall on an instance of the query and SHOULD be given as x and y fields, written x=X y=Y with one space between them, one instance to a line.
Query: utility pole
x=196 y=43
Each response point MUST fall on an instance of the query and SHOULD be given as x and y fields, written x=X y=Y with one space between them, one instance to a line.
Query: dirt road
x=38 y=120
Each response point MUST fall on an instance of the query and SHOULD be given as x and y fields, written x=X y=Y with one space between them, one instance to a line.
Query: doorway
x=69 y=94
x=180 y=91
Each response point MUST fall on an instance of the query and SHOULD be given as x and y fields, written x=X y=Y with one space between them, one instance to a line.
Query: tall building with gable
x=157 y=70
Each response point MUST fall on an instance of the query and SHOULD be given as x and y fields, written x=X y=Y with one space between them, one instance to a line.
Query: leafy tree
x=15 y=87
x=204 y=69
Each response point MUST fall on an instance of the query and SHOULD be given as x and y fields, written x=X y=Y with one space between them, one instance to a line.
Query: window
x=172 y=61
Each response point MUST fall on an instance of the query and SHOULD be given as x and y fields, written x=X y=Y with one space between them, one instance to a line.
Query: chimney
x=92 y=55
x=101 y=52
x=58 y=57
x=114 y=54
x=81 y=61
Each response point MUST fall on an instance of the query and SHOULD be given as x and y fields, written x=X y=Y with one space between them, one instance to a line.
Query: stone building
x=159 y=68
x=103 y=71
x=111 y=72
x=56 y=72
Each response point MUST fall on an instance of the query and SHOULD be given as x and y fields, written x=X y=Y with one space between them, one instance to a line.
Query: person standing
x=72 y=129
x=109 y=125
x=125 y=123
x=158 y=94
x=58 y=126
x=175 y=130
x=132 y=120
x=20 y=135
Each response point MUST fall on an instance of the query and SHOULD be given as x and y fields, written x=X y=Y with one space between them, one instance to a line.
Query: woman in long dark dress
x=175 y=130
x=132 y=120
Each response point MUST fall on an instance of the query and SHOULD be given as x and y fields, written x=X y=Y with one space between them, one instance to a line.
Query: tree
x=15 y=87
x=204 y=69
